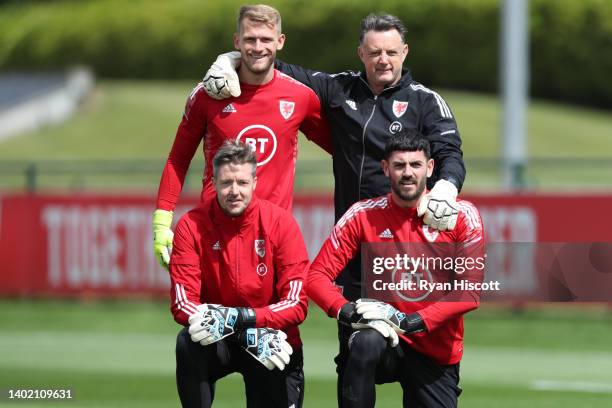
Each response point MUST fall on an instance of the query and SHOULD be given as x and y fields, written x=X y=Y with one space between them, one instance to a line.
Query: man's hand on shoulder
x=221 y=80
x=439 y=207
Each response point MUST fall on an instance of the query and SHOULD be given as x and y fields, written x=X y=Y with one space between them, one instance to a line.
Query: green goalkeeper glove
x=162 y=236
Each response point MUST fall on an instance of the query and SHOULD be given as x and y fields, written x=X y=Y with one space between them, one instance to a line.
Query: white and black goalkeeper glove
x=348 y=316
x=221 y=80
x=439 y=206
x=212 y=323
x=268 y=346
x=402 y=323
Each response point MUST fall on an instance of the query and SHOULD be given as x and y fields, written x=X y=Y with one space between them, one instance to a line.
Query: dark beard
x=409 y=197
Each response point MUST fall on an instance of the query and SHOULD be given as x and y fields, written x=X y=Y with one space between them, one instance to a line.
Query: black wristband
x=347 y=315
x=413 y=323
x=246 y=318
x=239 y=337
x=453 y=181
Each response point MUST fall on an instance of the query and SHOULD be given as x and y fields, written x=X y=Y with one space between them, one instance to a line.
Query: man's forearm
x=324 y=293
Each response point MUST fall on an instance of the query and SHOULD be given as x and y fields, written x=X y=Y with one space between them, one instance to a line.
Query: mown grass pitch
x=121 y=354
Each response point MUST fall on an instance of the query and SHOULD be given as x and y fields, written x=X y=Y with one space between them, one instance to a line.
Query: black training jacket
x=361 y=123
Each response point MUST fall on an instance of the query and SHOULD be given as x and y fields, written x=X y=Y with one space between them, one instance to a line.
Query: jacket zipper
x=363 y=146
x=364 y=131
x=237 y=277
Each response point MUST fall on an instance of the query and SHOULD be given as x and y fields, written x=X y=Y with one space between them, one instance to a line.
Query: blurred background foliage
x=454 y=43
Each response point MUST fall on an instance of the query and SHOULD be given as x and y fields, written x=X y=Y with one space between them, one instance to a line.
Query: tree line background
x=453 y=43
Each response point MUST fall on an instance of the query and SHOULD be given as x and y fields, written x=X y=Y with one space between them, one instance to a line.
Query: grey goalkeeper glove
x=348 y=316
x=268 y=346
x=212 y=323
x=221 y=80
x=401 y=322
x=439 y=206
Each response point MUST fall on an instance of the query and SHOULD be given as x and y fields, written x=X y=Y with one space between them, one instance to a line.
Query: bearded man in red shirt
x=425 y=345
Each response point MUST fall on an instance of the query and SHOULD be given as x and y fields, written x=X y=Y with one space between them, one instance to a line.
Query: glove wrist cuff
x=162 y=218
x=413 y=324
x=246 y=338
x=446 y=187
x=246 y=318
x=347 y=314
x=453 y=181
x=240 y=338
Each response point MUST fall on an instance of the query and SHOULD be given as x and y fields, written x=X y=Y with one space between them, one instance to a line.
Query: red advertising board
x=101 y=244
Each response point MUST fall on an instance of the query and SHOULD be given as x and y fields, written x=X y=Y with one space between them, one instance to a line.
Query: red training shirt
x=266 y=116
x=257 y=260
x=382 y=220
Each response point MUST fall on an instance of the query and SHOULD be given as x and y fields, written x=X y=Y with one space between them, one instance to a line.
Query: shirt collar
x=251 y=87
x=405 y=79
x=407 y=211
x=223 y=220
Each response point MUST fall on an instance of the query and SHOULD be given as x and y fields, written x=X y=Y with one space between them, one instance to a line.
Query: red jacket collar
x=406 y=211
x=223 y=220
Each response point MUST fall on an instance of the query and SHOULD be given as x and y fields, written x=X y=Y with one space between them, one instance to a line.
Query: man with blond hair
x=266 y=116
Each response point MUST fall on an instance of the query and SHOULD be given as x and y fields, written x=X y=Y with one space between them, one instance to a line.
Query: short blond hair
x=234 y=152
x=260 y=13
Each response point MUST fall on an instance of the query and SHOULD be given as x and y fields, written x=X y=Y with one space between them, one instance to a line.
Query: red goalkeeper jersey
x=267 y=117
x=382 y=220
x=256 y=260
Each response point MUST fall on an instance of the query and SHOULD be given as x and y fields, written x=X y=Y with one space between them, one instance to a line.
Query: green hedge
x=454 y=43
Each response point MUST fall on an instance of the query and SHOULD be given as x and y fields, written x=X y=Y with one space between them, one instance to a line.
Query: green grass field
x=120 y=354
x=135 y=122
